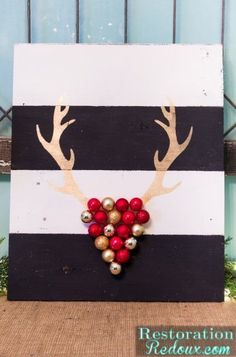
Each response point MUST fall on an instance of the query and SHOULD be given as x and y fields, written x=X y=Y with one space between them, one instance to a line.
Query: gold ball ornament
x=86 y=217
x=137 y=230
x=108 y=203
x=115 y=268
x=101 y=242
x=109 y=230
x=108 y=255
x=114 y=216
x=130 y=243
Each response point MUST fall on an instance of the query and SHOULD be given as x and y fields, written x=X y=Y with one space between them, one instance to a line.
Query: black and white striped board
x=115 y=94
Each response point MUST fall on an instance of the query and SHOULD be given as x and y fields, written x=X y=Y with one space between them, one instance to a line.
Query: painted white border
x=195 y=207
x=118 y=75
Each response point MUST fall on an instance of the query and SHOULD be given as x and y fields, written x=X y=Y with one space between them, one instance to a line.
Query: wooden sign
x=117 y=121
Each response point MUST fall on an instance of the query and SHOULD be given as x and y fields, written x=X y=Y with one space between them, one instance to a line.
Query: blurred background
x=118 y=21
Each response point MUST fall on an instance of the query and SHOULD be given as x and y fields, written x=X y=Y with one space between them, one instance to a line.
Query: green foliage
x=230 y=275
x=228 y=240
x=1 y=240
x=230 y=278
x=3 y=275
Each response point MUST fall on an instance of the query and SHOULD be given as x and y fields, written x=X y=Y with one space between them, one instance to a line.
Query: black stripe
x=68 y=267
x=119 y=138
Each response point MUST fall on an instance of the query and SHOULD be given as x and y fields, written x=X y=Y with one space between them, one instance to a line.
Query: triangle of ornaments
x=115 y=228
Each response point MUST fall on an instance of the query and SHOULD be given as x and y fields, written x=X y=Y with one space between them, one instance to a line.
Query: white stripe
x=118 y=75
x=195 y=207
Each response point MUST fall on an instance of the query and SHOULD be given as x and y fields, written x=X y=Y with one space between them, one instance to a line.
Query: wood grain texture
x=201 y=210
x=115 y=94
x=230 y=157
x=5 y=155
x=229 y=154
x=68 y=267
x=118 y=138
x=143 y=75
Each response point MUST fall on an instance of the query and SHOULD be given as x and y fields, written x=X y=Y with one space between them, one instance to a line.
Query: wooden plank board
x=229 y=154
x=112 y=136
x=230 y=157
x=5 y=155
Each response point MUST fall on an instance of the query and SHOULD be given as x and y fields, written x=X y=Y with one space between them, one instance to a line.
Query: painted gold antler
x=54 y=149
x=174 y=150
x=66 y=165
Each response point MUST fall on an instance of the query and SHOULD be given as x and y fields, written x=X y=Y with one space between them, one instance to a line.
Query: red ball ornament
x=95 y=230
x=128 y=217
x=100 y=217
x=93 y=204
x=123 y=231
x=122 y=205
x=142 y=216
x=116 y=243
x=123 y=256
x=136 y=204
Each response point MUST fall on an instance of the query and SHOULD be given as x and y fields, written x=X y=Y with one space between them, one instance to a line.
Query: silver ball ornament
x=130 y=243
x=115 y=268
x=86 y=217
x=109 y=230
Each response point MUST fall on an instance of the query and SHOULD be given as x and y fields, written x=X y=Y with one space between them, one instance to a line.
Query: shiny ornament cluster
x=115 y=225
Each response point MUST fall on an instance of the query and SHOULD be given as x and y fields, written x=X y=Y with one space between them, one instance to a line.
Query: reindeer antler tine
x=174 y=150
x=165 y=112
x=43 y=142
x=171 y=189
x=59 y=113
x=72 y=158
x=156 y=159
x=172 y=109
x=186 y=142
x=65 y=110
x=163 y=125
x=66 y=124
x=54 y=149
